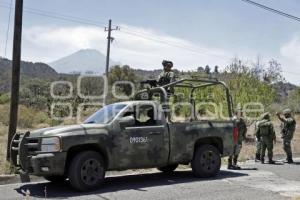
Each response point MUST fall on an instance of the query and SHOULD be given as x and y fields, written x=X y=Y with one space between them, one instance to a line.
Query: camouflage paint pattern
x=288 y=128
x=128 y=147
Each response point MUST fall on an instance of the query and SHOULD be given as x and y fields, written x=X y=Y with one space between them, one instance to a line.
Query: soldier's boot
x=230 y=166
x=235 y=158
x=271 y=161
x=262 y=160
x=257 y=157
x=290 y=159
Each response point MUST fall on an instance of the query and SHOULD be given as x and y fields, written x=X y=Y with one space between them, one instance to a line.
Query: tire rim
x=208 y=161
x=91 y=172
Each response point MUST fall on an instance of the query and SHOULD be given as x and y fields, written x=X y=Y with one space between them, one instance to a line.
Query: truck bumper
x=48 y=164
x=26 y=155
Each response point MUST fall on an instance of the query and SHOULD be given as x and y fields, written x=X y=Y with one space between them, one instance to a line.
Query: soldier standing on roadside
x=266 y=134
x=288 y=128
x=242 y=130
x=258 y=145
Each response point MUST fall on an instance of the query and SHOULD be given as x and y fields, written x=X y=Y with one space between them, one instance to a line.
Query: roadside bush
x=4 y=98
x=41 y=118
x=4 y=114
x=26 y=117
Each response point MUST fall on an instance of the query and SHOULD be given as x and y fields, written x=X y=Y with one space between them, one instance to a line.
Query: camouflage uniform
x=258 y=145
x=166 y=76
x=266 y=134
x=288 y=127
x=242 y=130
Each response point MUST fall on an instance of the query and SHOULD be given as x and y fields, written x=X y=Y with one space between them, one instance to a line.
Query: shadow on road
x=113 y=184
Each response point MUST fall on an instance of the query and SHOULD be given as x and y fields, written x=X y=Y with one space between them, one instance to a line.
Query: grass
x=4 y=165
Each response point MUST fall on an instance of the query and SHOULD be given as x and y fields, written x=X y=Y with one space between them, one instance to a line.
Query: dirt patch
x=3 y=143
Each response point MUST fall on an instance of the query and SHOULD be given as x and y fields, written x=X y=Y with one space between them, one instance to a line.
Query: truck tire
x=206 y=162
x=168 y=168
x=86 y=171
x=55 y=179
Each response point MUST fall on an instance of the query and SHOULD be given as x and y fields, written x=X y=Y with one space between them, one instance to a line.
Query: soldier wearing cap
x=266 y=134
x=288 y=127
x=242 y=130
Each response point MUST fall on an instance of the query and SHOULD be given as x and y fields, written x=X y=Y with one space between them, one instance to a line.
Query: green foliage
x=122 y=73
x=26 y=117
x=4 y=98
x=245 y=89
x=35 y=93
x=248 y=84
x=41 y=117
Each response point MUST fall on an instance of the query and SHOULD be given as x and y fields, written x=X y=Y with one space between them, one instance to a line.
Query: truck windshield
x=105 y=114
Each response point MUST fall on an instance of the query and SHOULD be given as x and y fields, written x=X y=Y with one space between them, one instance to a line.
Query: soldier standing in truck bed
x=166 y=76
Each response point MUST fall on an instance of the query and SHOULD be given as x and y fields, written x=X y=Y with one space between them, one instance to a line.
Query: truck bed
x=184 y=134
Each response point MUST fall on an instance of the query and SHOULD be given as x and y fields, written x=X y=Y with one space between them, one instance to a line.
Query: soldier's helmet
x=238 y=110
x=166 y=63
x=287 y=111
x=265 y=115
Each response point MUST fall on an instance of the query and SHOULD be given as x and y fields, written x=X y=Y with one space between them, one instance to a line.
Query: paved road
x=255 y=181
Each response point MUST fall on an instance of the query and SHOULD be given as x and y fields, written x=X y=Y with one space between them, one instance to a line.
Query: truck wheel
x=55 y=179
x=86 y=171
x=206 y=161
x=168 y=169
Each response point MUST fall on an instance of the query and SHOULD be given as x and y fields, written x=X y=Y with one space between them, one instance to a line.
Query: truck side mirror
x=127 y=121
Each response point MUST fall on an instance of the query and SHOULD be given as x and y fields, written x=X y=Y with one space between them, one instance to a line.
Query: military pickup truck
x=127 y=135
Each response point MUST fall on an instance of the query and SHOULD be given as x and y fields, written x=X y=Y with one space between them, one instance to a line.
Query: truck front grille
x=22 y=147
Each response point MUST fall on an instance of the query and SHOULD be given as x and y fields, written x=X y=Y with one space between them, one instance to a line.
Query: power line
x=93 y=23
x=171 y=44
x=272 y=10
x=135 y=33
x=8 y=26
x=60 y=17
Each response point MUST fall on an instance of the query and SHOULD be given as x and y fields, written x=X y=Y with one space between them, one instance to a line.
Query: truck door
x=144 y=144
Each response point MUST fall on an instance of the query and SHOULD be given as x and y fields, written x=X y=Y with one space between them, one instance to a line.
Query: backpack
x=265 y=128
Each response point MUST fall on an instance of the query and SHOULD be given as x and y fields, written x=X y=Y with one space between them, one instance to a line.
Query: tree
x=216 y=71
x=246 y=85
x=122 y=73
x=258 y=68
x=200 y=69
x=207 y=69
x=273 y=72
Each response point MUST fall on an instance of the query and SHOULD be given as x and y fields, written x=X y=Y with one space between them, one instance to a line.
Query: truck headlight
x=51 y=144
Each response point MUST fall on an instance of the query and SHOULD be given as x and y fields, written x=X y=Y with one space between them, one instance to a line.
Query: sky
x=191 y=33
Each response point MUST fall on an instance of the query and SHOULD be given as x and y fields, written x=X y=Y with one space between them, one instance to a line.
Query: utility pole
x=110 y=39
x=15 y=82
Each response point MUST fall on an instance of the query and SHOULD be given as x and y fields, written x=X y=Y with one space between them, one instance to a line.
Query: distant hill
x=282 y=90
x=28 y=70
x=82 y=61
